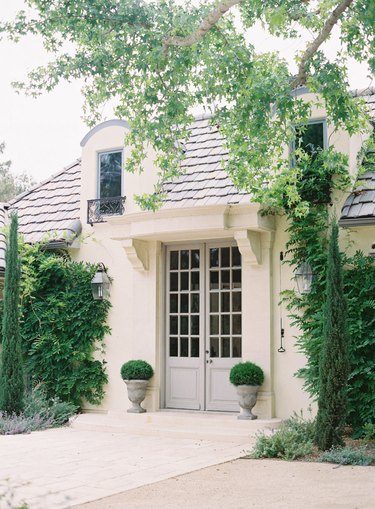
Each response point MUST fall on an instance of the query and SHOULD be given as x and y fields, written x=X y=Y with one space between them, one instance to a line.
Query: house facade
x=196 y=284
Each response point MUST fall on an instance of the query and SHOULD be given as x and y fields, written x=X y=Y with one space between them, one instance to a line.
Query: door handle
x=209 y=361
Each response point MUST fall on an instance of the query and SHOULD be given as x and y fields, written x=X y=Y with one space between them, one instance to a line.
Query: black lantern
x=100 y=283
x=304 y=277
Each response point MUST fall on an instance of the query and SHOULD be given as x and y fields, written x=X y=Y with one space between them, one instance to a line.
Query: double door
x=203 y=326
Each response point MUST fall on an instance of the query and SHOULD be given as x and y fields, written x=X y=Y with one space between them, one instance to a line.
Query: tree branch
x=206 y=25
x=313 y=46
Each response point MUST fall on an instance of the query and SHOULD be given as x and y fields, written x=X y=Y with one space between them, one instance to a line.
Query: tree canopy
x=10 y=184
x=158 y=60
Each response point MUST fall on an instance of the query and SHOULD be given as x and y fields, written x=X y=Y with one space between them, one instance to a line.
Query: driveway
x=63 y=467
x=260 y=484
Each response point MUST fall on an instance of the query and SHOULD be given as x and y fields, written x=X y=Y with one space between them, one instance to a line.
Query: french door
x=203 y=325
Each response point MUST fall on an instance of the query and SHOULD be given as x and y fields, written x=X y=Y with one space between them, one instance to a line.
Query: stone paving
x=63 y=467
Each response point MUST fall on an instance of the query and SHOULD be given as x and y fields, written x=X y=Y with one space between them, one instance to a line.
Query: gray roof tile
x=51 y=209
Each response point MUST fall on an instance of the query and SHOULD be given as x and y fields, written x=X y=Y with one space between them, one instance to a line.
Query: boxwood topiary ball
x=136 y=370
x=246 y=373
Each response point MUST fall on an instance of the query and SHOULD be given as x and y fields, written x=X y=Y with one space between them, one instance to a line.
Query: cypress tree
x=11 y=372
x=334 y=361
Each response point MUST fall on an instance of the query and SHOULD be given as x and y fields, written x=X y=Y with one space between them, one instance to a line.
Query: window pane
x=214 y=303
x=184 y=347
x=184 y=303
x=236 y=324
x=236 y=275
x=110 y=170
x=214 y=257
x=225 y=324
x=214 y=280
x=214 y=324
x=310 y=138
x=173 y=283
x=194 y=347
x=173 y=260
x=184 y=281
x=225 y=260
x=173 y=325
x=194 y=324
x=184 y=260
x=194 y=281
x=195 y=259
x=225 y=347
x=184 y=325
x=225 y=299
x=173 y=303
x=214 y=347
x=236 y=347
x=236 y=257
x=225 y=279
x=236 y=301
x=194 y=303
x=173 y=347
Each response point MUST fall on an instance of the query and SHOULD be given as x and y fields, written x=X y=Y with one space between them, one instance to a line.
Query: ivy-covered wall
x=308 y=242
x=62 y=327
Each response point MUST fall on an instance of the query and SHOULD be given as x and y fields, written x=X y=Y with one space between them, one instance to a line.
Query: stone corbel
x=137 y=253
x=249 y=244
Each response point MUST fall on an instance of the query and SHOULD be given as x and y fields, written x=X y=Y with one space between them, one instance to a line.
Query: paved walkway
x=64 y=467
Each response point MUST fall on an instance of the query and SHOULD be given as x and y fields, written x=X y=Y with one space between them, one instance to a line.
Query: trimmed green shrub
x=334 y=363
x=11 y=369
x=136 y=370
x=294 y=439
x=246 y=373
x=348 y=456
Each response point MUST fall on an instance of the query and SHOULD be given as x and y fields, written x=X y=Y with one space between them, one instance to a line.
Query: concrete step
x=213 y=427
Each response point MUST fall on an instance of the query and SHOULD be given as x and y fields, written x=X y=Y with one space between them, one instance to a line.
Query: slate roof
x=203 y=181
x=368 y=94
x=50 y=210
x=359 y=207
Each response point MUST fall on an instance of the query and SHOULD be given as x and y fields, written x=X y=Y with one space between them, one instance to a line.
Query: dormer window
x=311 y=138
x=110 y=174
x=110 y=200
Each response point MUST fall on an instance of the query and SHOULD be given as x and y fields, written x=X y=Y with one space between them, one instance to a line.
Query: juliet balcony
x=98 y=210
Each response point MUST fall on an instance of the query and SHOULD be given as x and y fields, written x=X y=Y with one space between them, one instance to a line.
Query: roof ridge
x=14 y=200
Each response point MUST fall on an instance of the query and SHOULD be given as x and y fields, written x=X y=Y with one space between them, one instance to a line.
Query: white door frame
x=192 y=382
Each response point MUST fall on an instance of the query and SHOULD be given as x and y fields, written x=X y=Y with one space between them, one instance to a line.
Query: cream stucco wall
x=133 y=248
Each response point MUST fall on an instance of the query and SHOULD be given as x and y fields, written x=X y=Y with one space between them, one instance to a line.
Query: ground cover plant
x=294 y=440
x=38 y=413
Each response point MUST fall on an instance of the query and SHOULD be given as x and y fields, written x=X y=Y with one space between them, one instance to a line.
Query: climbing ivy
x=308 y=242
x=62 y=327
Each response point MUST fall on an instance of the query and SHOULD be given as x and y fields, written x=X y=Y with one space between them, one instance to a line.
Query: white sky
x=43 y=135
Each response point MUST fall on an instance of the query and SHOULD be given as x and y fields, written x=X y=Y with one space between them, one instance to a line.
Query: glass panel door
x=224 y=325
x=184 y=328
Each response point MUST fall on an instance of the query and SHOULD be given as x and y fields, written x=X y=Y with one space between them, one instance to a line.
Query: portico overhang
x=243 y=223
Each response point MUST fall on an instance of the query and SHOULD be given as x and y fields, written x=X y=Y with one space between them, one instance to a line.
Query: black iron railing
x=98 y=210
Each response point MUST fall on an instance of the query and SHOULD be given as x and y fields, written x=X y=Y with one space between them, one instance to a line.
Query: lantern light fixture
x=100 y=283
x=304 y=277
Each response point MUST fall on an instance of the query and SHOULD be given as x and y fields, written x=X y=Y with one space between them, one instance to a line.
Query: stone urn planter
x=247 y=398
x=136 y=374
x=247 y=377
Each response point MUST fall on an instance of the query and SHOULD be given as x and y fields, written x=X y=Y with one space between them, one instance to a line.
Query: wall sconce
x=100 y=283
x=304 y=277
